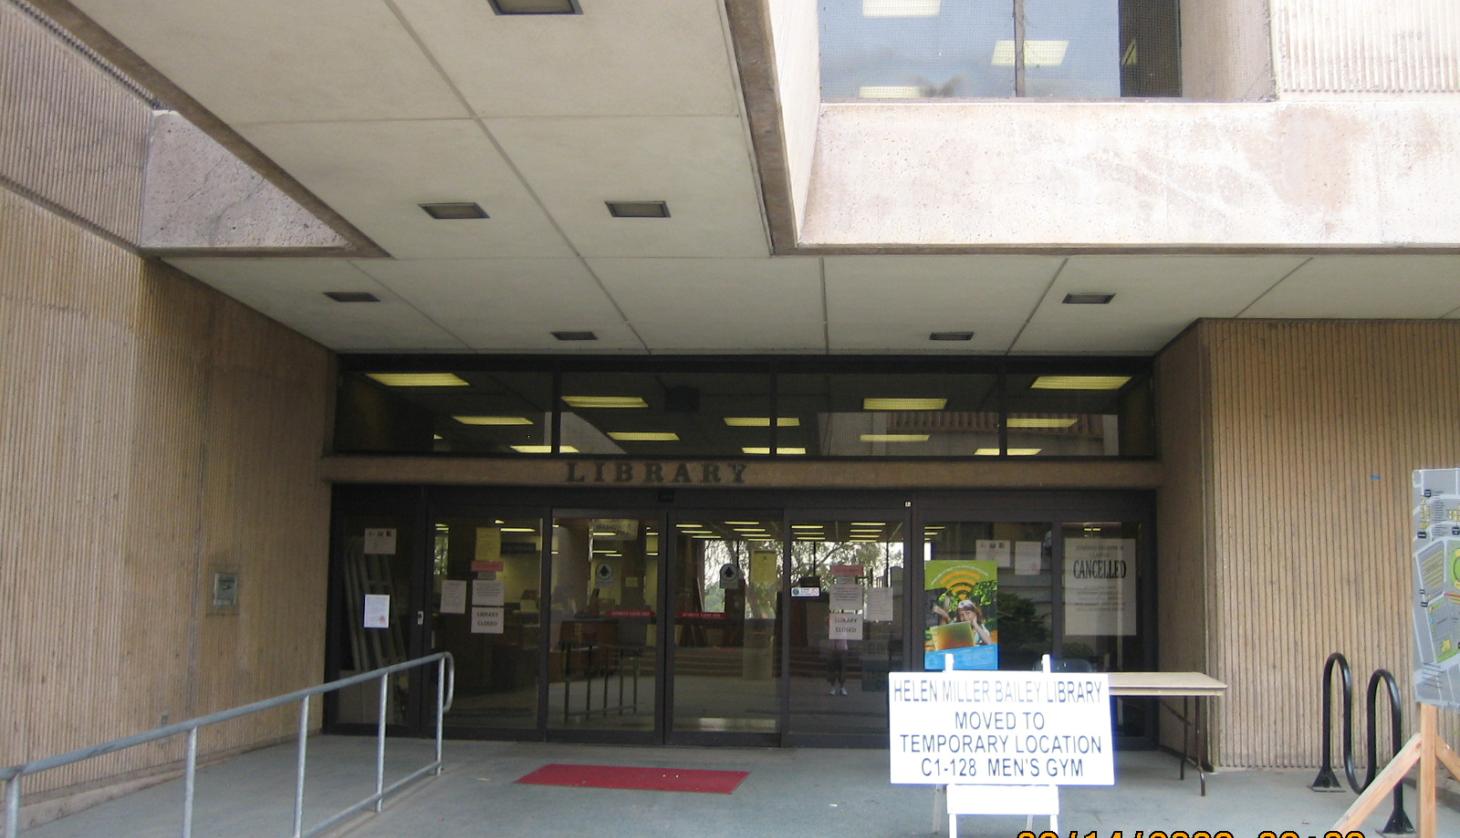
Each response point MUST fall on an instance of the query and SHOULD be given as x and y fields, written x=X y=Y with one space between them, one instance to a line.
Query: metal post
x=440 y=708
x=12 y=807
x=190 y=783
x=380 y=745
x=299 y=772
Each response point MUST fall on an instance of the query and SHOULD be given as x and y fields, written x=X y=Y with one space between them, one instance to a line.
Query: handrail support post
x=380 y=744
x=190 y=780
x=299 y=769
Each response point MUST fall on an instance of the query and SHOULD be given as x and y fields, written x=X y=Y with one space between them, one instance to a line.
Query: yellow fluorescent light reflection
x=543 y=449
x=894 y=437
x=901 y=8
x=741 y=523
x=688 y=526
x=493 y=420
x=762 y=421
x=706 y=537
x=604 y=402
x=644 y=436
x=418 y=379
x=1036 y=53
x=890 y=91
x=519 y=529
x=1013 y=452
x=780 y=449
x=807 y=526
x=1079 y=382
x=882 y=403
x=603 y=534
x=1035 y=422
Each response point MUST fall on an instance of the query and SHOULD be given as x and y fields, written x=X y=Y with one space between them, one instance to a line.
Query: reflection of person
x=967 y=612
x=836 y=668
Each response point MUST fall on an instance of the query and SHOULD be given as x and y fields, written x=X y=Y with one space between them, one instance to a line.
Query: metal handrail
x=445 y=695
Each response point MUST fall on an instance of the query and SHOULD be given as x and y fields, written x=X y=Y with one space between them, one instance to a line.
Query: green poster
x=961 y=620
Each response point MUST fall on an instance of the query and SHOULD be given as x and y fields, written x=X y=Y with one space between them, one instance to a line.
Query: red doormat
x=636 y=777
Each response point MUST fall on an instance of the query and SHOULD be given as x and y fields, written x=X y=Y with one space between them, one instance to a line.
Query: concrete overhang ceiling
x=378 y=106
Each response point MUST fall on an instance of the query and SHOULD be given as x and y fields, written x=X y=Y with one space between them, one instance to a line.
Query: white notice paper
x=377 y=611
x=1027 y=558
x=488 y=592
x=453 y=596
x=845 y=596
x=845 y=627
x=988 y=550
x=879 y=605
x=486 y=620
x=1100 y=586
x=380 y=542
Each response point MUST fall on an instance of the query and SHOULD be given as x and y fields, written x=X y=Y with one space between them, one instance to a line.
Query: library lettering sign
x=1000 y=728
x=655 y=474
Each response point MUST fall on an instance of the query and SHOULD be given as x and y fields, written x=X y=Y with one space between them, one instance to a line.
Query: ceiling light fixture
x=520 y=529
x=644 y=436
x=901 y=8
x=352 y=296
x=638 y=209
x=583 y=335
x=536 y=7
x=418 y=379
x=885 y=403
x=605 y=402
x=894 y=437
x=1036 y=53
x=454 y=211
x=1013 y=452
x=808 y=526
x=493 y=421
x=1053 y=422
x=780 y=449
x=950 y=336
x=543 y=449
x=1088 y=298
x=891 y=91
x=762 y=422
x=1079 y=382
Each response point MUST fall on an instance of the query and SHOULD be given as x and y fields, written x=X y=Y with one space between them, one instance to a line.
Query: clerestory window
x=971 y=49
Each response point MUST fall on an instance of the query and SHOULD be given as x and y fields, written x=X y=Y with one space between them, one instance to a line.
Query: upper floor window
x=970 y=49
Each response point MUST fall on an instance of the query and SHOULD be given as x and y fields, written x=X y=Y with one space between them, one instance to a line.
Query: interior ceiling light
x=520 y=529
x=950 y=336
x=869 y=523
x=780 y=449
x=891 y=91
x=689 y=526
x=352 y=296
x=575 y=335
x=1088 y=298
x=603 y=534
x=457 y=211
x=1079 y=382
x=605 y=402
x=418 y=379
x=644 y=436
x=901 y=8
x=762 y=422
x=494 y=420
x=903 y=404
x=437 y=437
x=543 y=449
x=894 y=437
x=1036 y=53
x=1042 y=422
x=741 y=523
x=1013 y=452
x=807 y=526
x=536 y=7
x=638 y=209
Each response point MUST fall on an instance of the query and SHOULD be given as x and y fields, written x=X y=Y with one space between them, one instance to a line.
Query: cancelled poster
x=1100 y=586
x=961 y=620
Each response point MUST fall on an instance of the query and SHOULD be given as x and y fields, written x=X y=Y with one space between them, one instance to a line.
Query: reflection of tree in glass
x=1023 y=633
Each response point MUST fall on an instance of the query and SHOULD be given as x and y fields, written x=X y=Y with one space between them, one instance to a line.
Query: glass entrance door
x=724 y=602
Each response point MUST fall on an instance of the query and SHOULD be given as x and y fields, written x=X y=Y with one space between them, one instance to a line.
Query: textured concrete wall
x=1358 y=46
x=1226 y=50
x=797 y=42
x=1356 y=173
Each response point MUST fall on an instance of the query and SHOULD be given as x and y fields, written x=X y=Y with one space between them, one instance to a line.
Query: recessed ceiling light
x=1088 y=299
x=493 y=420
x=1042 y=422
x=780 y=449
x=603 y=534
x=903 y=404
x=460 y=211
x=891 y=91
x=901 y=8
x=437 y=437
x=1013 y=452
x=575 y=336
x=644 y=436
x=1079 y=382
x=894 y=437
x=605 y=402
x=689 y=526
x=869 y=523
x=808 y=526
x=520 y=529
x=742 y=523
x=951 y=336
x=762 y=421
x=352 y=296
x=536 y=7
x=418 y=379
x=638 y=209
x=543 y=449
x=1036 y=53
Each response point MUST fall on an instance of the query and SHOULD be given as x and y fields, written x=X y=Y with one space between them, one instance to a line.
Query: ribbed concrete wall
x=1363 y=46
x=69 y=132
x=151 y=430
x=1314 y=427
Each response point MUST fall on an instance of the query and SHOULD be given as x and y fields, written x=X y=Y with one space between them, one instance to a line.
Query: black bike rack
x=1399 y=823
